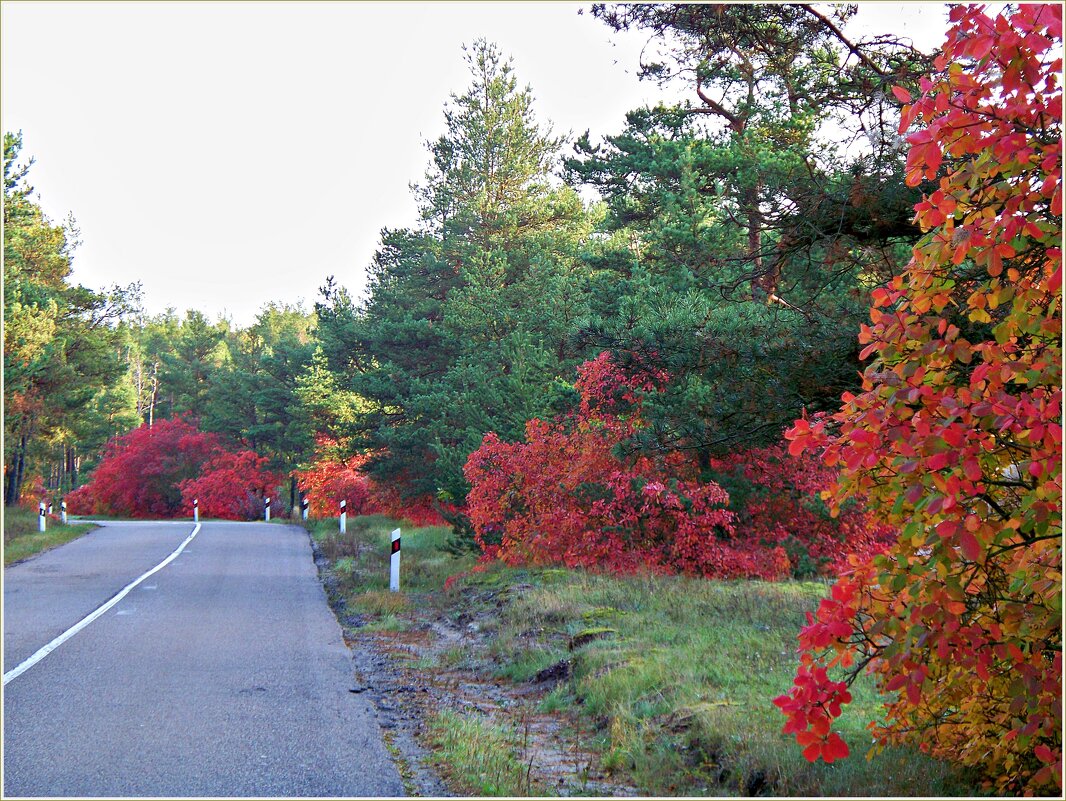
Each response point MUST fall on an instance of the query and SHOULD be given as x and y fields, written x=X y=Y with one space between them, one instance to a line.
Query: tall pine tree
x=466 y=327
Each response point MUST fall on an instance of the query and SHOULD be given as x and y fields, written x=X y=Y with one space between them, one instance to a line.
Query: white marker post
x=40 y=517
x=63 y=511
x=196 y=510
x=394 y=567
x=344 y=516
x=304 y=505
x=266 y=510
x=49 y=510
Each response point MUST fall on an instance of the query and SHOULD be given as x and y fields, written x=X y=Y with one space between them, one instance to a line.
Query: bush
x=332 y=478
x=233 y=486
x=140 y=472
x=564 y=497
x=777 y=500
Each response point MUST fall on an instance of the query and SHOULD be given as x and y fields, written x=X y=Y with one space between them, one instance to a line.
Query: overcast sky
x=231 y=154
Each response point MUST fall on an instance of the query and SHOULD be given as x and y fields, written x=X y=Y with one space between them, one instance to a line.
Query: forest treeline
x=734 y=244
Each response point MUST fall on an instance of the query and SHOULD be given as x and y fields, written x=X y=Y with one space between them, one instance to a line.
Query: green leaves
x=61 y=346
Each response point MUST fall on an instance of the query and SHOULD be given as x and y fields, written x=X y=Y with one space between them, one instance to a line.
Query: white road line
x=15 y=672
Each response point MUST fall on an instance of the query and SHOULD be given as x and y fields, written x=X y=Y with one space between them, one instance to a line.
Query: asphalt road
x=223 y=674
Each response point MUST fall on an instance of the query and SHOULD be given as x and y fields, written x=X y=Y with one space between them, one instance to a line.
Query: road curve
x=223 y=674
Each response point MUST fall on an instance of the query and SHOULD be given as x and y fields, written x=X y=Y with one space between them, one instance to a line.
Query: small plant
x=381 y=602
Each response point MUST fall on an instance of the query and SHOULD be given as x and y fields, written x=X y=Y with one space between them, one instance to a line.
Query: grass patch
x=676 y=675
x=673 y=676
x=360 y=560
x=482 y=758
x=22 y=539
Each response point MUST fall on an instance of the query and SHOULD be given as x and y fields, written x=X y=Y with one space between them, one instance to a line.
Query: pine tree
x=467 y=322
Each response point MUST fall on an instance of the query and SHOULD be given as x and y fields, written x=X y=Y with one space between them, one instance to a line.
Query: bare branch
x=843 y=39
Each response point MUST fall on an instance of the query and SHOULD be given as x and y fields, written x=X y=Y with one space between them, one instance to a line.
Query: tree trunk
x=13 y=491
x=155 y=392
x=72 y=468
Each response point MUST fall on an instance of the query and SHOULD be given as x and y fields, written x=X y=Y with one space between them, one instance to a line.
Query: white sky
x=231 y=154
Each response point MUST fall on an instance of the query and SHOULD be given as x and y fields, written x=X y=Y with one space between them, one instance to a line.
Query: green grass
x=482 y=758
x=679 y=677
x=22 y=539
x=674 y=676
x=364 y=553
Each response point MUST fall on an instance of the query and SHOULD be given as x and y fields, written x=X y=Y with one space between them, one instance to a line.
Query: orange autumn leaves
x=956 y=436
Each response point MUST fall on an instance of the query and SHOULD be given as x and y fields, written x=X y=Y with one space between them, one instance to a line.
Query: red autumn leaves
x=956 y=436
x=566 y=496
x=158 y=471
x=811 y=708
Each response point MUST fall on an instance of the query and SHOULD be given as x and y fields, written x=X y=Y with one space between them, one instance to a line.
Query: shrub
x=233 y=486
x=956 y=436
x=331 y=478
x=140 y=472
x=777 y=499
x=563 y=496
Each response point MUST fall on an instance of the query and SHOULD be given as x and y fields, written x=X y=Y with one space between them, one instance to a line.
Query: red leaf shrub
x=81 y=501
x=233 y=486
x=332 y=478
x=140 y=473
x=421 y=511
x=777 y=500
x=158 y=471
x=564 y=497
x=956 y=435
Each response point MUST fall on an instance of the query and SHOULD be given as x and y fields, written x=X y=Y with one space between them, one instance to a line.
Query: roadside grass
x=674 y=676
x=361 y=559
x=22 y=539
x=481 y=757
x=679 y=673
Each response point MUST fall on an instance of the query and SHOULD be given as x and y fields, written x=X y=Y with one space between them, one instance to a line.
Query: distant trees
x=252 y=396
x=82 y=368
